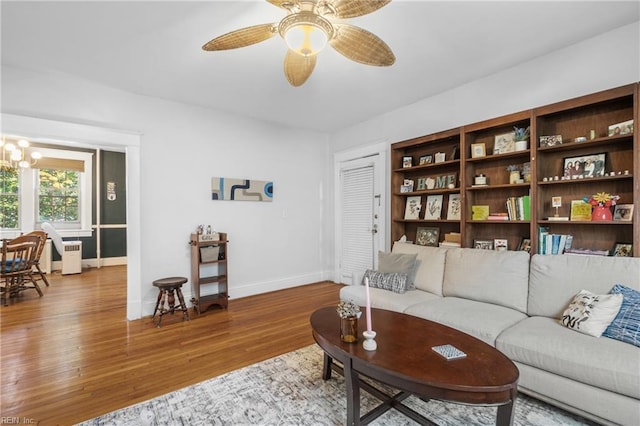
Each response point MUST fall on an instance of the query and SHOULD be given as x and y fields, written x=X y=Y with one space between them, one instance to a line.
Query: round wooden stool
x=166 y=299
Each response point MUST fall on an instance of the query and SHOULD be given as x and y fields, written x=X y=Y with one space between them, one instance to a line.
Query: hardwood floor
x=72 y=355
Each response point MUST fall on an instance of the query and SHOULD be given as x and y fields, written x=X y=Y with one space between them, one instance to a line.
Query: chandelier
x=14 y=155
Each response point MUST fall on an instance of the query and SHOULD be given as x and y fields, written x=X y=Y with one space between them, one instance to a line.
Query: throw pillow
x=393 y=281
x=590 y=313
x=399 y=262
x=626 y=325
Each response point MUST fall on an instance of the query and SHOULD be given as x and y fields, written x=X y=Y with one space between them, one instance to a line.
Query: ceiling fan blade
x=361 y=46
x=284 y=4
x=242 y=37
x=352 y=8
x=298 y=68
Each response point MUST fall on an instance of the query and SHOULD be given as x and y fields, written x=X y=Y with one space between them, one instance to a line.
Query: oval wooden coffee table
x=404 y=360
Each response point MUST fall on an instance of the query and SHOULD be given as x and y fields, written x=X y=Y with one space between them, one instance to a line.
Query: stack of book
x=553 y=243
x=498 y=216
x=452 y=239
x=519 y=208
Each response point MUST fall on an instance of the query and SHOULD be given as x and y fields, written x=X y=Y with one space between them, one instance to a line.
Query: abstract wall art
x=241 y=189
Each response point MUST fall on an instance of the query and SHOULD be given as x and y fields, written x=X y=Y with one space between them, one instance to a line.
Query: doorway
x=360 y=212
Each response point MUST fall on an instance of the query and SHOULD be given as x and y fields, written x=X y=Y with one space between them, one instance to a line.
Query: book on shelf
x=553 y=243
x=587 y=252
x=580 y=211
x=479 y=212
x=519 y=208
x=558 y=218
x=498 y=216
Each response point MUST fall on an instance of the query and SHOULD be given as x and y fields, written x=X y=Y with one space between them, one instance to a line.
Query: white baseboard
x=252 y=289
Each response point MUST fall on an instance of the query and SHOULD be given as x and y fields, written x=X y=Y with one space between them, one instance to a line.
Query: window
x=57 y=190
x=58 y=196
x=9 y=199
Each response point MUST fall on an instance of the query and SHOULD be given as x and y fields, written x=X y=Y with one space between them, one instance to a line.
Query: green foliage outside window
x=58 y=195
x=9 y=202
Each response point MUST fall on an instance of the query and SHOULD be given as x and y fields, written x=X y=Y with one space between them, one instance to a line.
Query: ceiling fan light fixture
x=306 y=33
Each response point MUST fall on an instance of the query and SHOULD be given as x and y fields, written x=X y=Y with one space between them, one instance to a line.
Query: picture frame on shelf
x=483 y=244
x=440 y=157
x=407 y=161
x=624 y=128
x=433 y=209
x=406 y=188
x=454 y=207
x=584 y=166
x=425 y=159
x=478 y=150
x=622 y=250
x=500 y=244
x=504 y=143
x=525 y=245
x=413 y=207
x=623 y=212
x=548 y=141
x=580 y=211
x=428 y=236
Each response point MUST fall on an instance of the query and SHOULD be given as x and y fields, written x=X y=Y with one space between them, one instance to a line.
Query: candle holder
x=369 y=344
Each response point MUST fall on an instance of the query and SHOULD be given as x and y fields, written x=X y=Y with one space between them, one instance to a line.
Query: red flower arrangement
x=602 y=199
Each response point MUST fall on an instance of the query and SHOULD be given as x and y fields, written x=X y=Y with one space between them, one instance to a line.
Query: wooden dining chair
x=36 y=262
x=16 y=269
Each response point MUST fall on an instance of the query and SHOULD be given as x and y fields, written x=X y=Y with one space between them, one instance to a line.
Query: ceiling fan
x=307 y=28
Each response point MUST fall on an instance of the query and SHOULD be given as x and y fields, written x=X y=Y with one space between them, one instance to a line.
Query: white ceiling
x=154 y=48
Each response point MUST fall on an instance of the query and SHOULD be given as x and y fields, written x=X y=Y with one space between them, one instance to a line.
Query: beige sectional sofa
x=514 y=302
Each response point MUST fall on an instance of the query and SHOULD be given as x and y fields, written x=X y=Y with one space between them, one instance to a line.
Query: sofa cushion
x=500 y=277
x=626 y=325
x=429 y=265
x=590 y=313
x=392 y=281
x=543 y=343
x=556 y=279
x=384 y=299
x=400 y=263
x=482 y=320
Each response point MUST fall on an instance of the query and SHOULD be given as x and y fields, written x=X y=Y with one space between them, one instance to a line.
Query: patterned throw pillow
x=393 y=281
x=590 y=313
x=399 y=262
x=626 y=325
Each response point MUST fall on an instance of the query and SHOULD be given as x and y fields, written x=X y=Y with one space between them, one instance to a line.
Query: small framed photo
x=556 y=201
x=525 y=245
x=624 y=128
x=547 y=141
x=478 y=150
x=504 y=143
x=454 y=207
x=428 y=236
x=441 y=157
x=623 y=212
x=483 y=244
x=500 y=244
x=407 y=161
x=434 y=207
x=585 y=166
x=426 y=159
x=623 y=250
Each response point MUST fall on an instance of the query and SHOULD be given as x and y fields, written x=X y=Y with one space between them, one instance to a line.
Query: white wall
x=607 y=61
x=272 y=245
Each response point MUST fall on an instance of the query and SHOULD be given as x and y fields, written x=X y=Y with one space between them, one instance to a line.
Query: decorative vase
x=514 y=177
x=601 y=214
x=349 y=329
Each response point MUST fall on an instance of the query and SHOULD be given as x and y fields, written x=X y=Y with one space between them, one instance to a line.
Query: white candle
x=366 y=284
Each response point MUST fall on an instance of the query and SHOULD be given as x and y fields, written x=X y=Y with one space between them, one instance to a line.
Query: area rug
x=289 y=390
